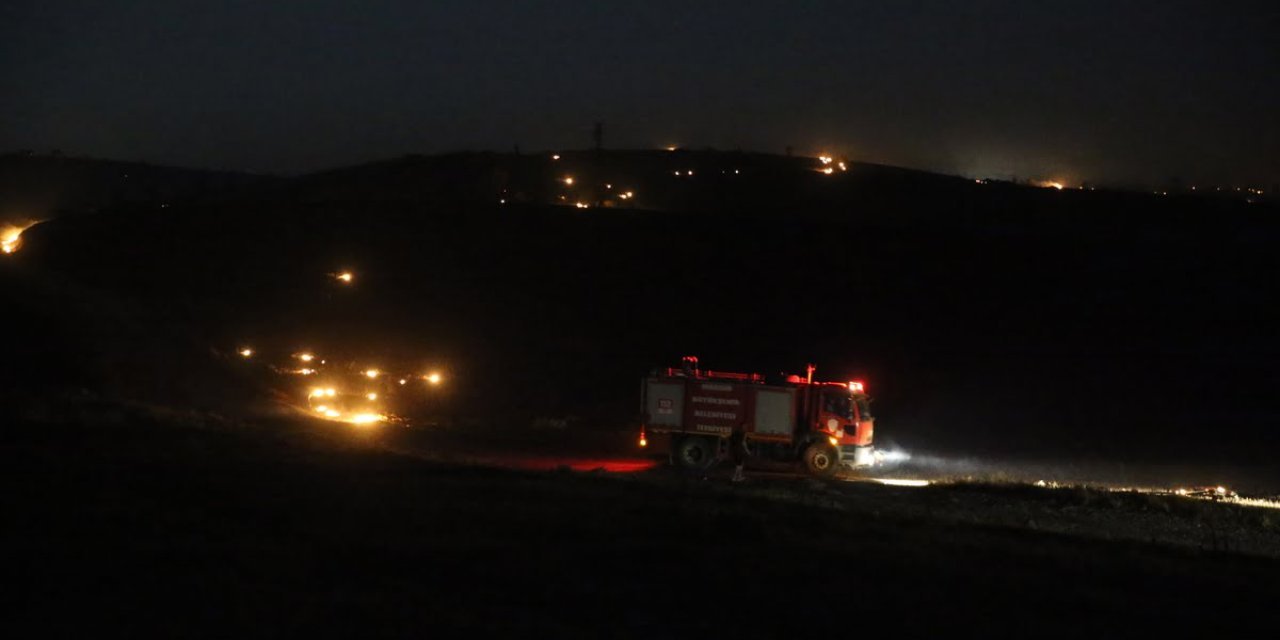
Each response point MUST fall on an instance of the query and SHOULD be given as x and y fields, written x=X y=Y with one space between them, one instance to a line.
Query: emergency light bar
x=857 y=387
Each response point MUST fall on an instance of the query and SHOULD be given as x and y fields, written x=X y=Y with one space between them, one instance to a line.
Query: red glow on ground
x=551 y=463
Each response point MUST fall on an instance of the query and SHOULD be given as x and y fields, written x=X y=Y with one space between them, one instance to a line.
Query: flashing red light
x=857 y=387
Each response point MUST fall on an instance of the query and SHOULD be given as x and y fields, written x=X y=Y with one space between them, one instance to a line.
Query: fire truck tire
x=821 y=460
x=695 y=452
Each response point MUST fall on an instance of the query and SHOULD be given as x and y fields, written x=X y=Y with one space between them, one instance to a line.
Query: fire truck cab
x=710 y=415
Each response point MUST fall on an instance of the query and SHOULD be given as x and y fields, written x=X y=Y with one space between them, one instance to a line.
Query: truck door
x=837 y=412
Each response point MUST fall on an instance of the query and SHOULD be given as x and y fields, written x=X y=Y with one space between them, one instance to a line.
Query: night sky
x=1103 y=91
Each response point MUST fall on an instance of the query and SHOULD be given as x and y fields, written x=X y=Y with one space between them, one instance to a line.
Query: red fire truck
x=708 y=414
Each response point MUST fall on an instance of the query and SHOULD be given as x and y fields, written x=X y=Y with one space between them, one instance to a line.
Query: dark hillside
x=987 y=318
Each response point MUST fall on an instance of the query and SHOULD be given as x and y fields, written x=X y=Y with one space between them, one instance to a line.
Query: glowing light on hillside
x=246 y=352
x=581 y=205
x=365 y=418
x=305 y=357
x=895 y=482
x=371 y=396
x=11 y=236
x=828 y=170
x=433 y=378
x=332 y=413
x=372 y=373
x=825 y=159
x=1050 y=184
x=345 y=277
x=843 y=166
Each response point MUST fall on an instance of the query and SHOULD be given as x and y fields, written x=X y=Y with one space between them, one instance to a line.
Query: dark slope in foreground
x=203 y=532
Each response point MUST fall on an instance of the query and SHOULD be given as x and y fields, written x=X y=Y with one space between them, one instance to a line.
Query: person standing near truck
x=738 y=449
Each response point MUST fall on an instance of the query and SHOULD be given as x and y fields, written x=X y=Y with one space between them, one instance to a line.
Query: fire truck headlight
x=833 y=441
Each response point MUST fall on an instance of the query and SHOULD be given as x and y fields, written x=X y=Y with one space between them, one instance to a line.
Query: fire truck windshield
x=864 y=408
x=839 y=404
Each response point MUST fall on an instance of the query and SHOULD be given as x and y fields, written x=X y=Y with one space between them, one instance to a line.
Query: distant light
x=691 y=172
x=403 y=382
x=828 y=170
x=306 y=372
x=581 y=205
x=332 y=413
x=672 y=148
x=894 y=482
x=608 y=186
x=246 y=352
x=643 y=441
x=843 y=166
x=825 y=159
x=555 y=157
x=371 y=396
x=317 y=392
x=11 y=237
x=345 y=276
x=433 y=378
x=365 y=418
x=372 y=373
x=568 y=180
x=306 y=357
x=330 y=392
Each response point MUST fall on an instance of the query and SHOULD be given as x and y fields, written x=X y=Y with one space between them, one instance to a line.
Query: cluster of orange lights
x=830 y=164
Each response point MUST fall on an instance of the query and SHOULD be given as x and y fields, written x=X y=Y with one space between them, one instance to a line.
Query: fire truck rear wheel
x=695 y=452
x=821 y=460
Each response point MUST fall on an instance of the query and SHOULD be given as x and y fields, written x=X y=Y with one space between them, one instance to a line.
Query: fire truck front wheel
x=821 y=460
x=695 y=452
